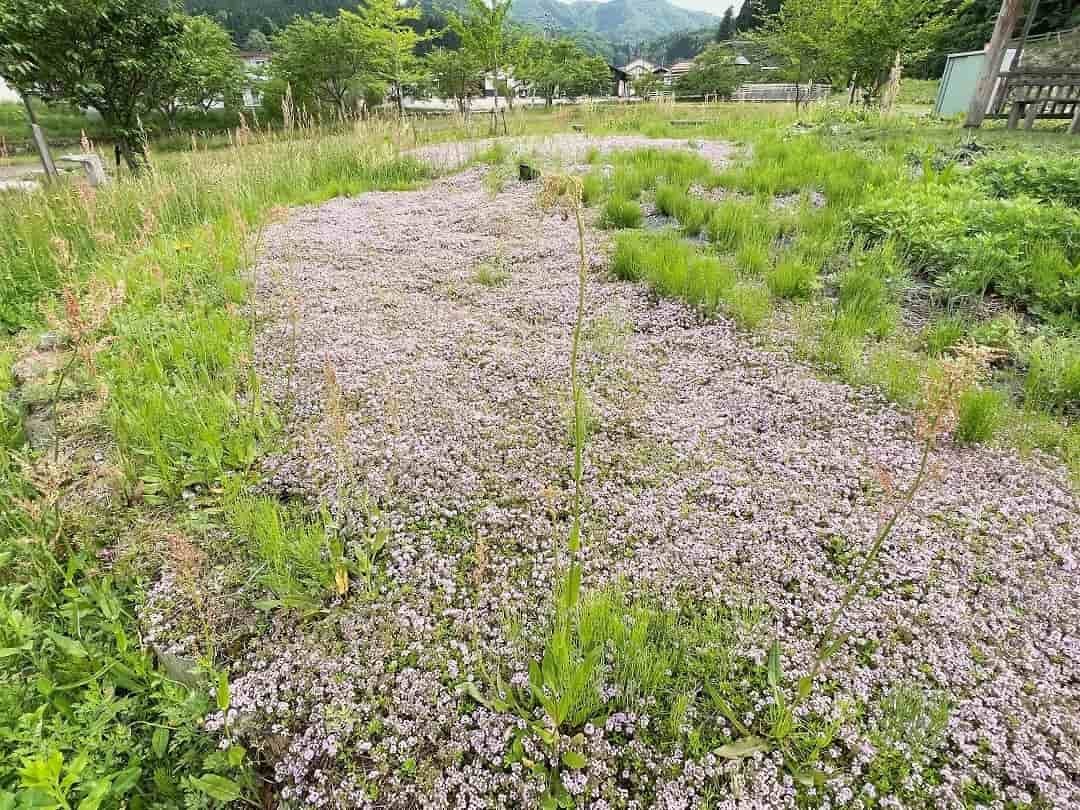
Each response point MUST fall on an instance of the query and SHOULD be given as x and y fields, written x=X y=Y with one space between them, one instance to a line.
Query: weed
x=620 y=212
x=593 y=188
x=748 y=304
x=897 y=373
x=943 y=334
x=491 y=273
x=692 y=213
x=735 y=223
x=980 y=415
x=792 y=277
x=674 y=268
x=1053 y=375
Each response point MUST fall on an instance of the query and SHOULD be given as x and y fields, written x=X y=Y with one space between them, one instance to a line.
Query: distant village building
x=257 y=66
x=638 y=68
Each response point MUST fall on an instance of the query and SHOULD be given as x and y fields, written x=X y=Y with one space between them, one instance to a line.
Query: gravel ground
x=717 y=470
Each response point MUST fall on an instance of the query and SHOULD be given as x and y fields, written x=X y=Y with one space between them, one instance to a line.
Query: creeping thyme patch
x=721 y=479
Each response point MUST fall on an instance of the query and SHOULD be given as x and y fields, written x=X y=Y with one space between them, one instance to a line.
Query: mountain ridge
x=616 y=20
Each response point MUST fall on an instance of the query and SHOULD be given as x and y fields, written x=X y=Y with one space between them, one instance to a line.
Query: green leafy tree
x=257 y=41
x=391 y=41
x=715 y=72
x=727 y=25
x=455 y=75
x=856 y=40
x=552 y=67
x=647 y=84
x=485 y=35
x=206 y=71
x=322 y=59
x=104 y=54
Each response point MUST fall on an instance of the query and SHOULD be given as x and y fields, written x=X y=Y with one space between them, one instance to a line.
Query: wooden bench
x=1039 y=93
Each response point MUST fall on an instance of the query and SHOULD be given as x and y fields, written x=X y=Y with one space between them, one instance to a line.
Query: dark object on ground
x=526 y=173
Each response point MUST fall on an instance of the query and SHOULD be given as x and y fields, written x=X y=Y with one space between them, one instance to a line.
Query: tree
x=207 y=70
x=104 y=54
x=484 y=32
x=646 y=84
x=753 y=13
x=390 y=43
x=727 y=29
x=257 y=41
x=715 y=72
x=455 y=75
x=856 y=40
x=552 y=67
x=322 y=59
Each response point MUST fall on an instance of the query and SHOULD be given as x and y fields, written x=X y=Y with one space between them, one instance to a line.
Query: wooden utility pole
x=40 y=143
x=995 y=52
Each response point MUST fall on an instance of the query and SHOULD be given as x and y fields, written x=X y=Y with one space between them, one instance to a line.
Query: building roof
x=638 y=63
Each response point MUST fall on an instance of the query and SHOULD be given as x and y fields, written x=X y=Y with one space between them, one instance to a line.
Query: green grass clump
x=593 y=188
x=735 y=223
x=629 y=183
x=619 y=212
x=1053 y=375
x=792 y=277
x=748 y=304
x=493 y=155
x=980 y=414
x=675 y=268
x=896 y=373
x=943 y=333
x=692 y=212
x=175 y=386
x=490 y=274
x=866 y=303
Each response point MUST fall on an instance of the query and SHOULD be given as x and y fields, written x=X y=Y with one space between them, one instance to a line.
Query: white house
x=257 y=64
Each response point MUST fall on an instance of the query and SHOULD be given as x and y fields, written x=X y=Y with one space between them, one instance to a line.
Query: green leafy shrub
x=980 y=414
x=619 y=212
x=968 y=244
x=1043 y=177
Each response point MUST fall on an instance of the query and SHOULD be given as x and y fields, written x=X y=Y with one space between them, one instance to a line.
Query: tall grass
x=62 y=233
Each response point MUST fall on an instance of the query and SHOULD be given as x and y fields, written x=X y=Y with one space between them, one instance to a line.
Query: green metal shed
x=959 y=80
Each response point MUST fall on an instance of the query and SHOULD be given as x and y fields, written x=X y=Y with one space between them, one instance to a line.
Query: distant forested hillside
x=612 y=29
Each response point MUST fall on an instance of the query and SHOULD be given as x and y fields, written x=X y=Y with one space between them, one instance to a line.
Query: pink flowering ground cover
x=727 y=485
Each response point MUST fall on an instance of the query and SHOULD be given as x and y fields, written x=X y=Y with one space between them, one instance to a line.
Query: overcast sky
x=715 y=6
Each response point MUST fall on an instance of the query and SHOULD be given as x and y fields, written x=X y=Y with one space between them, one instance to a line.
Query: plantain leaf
x=775 y=675
x=740 y=749
x=574 y=759
x=217 y=787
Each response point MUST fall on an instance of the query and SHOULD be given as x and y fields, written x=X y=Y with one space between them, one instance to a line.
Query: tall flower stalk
x=564 y=194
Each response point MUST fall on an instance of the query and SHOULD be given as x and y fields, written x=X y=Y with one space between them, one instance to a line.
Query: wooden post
x=995 y=52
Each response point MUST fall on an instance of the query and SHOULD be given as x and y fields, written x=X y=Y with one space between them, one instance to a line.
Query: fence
x=781 y=92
